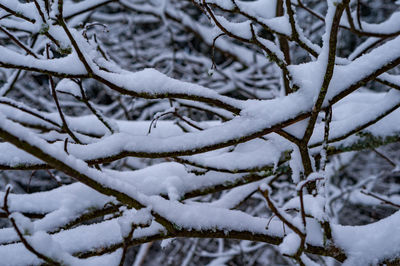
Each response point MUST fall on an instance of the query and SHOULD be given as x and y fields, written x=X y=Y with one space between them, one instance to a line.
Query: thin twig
x=380 y=198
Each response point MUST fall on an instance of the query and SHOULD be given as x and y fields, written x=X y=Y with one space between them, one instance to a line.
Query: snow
x=252 y=154
x=259 y=8
x=23 y=223
x=133 y=218
x=75 y=8
x=242 y=152
x=296 y=164
x=290 y=244
x=69 y=87
x=369 y=243
x=313 y=206
x=20 y=256
x=152 y=82
x=198 y=217
x=360 y=108
x=27 y=9
x=9 y=57
x=240 y=29
x=389 y=26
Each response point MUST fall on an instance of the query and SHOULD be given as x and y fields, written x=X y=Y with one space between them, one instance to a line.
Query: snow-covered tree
x=257 y=132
